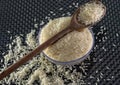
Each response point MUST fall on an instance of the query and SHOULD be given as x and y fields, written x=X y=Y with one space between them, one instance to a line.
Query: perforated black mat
x=20 y=16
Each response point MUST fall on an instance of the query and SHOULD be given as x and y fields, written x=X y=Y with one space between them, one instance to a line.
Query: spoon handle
x=23 y=60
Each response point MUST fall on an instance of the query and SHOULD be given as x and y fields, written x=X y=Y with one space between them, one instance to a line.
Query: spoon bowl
x=75 y=24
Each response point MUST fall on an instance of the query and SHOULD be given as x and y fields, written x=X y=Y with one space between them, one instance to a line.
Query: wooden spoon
x=74 y=25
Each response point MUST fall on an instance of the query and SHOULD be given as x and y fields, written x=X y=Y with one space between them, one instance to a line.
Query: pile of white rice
x=39 y=70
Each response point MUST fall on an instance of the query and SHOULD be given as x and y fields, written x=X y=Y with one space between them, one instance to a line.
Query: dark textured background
x=18 y=17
